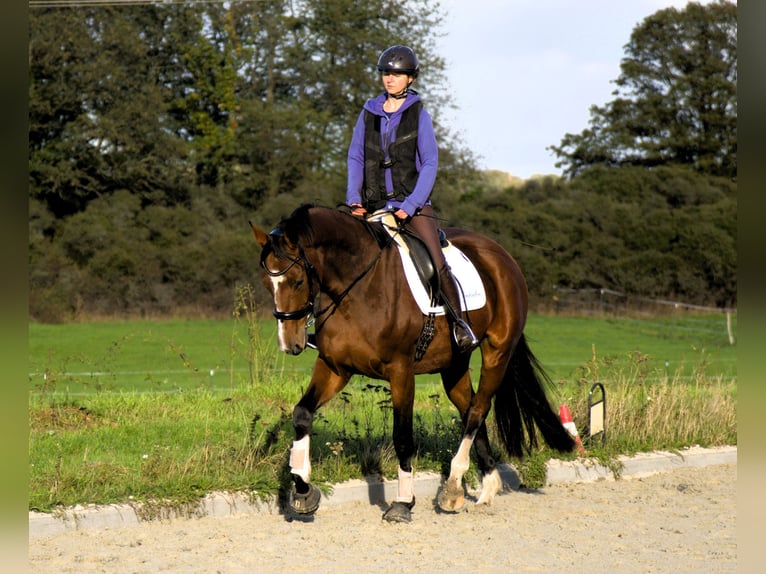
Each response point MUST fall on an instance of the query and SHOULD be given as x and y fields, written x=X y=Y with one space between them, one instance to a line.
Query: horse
x=323 y=263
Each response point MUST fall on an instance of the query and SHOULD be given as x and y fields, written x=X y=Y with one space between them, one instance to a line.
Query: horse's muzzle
x=295 y=349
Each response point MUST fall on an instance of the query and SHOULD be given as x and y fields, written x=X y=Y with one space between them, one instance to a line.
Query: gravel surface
x=678 y=521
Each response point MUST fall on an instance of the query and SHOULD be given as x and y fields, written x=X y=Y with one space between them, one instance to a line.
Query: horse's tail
x=521 y=403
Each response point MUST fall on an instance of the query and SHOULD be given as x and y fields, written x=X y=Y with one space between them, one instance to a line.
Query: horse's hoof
x=399 y=512
x=451 y=498
x=306 y=503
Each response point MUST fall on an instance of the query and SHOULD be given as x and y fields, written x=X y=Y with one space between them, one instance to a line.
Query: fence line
x=601 y=292
x=675 y=304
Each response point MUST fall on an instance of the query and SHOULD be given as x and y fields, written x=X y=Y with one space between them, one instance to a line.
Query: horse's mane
x=299 y=229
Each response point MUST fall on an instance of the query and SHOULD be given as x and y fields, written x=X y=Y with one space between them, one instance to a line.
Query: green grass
x=147 y=355
x=565 y=345
x=145 y=447
x=127 y=411
x=217 y=354
x=114 y=447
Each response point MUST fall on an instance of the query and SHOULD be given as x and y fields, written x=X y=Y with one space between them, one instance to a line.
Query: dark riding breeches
x=426 y=227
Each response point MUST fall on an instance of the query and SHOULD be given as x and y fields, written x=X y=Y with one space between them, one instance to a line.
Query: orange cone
x=566 y=420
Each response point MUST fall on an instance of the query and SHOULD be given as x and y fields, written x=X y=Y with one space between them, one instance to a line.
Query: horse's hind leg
x=473 y=412
x=452 y=495
x=457 y=384
x=491 y=482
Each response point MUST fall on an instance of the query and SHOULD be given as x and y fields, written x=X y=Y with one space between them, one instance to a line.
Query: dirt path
x=679 y=521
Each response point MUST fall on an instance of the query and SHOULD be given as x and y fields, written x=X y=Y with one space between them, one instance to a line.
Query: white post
x=728 y=327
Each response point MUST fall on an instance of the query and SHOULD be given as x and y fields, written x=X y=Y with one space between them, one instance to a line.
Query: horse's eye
x=299 y=283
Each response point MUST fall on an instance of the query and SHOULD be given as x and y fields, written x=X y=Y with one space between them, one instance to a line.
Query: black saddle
x=424 y=264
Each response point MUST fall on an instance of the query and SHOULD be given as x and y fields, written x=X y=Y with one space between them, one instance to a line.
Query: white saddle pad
x=470 y=287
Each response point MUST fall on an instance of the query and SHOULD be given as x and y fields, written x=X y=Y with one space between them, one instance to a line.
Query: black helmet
x=399 y=59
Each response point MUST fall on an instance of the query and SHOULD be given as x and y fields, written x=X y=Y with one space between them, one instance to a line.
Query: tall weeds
x=656 y=410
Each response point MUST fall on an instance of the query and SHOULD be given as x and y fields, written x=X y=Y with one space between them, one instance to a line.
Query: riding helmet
x=400 y=59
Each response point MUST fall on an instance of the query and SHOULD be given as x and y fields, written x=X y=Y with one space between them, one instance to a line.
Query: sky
x=523 y=73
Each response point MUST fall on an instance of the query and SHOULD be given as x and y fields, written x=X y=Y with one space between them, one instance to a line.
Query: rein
x=337 y=300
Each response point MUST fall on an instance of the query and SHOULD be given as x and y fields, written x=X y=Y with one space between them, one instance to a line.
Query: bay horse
x=344 y=271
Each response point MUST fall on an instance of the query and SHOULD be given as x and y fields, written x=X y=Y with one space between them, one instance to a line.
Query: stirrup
x=464 y=336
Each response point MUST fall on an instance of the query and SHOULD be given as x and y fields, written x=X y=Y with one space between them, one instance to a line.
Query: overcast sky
x=525 y=72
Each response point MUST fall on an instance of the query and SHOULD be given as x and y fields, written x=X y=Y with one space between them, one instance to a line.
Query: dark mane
x=295 y=229
x=298 y=227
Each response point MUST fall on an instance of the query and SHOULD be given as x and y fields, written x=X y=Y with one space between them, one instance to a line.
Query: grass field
x=170 y=410
x=218 y=354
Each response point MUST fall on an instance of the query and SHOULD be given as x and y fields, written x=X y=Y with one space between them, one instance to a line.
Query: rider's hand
x=401 y=214
x=358 y=210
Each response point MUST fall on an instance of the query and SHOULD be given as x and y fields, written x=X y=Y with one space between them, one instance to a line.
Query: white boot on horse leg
x=401 y=509
x=452 y=495
x=491 y=484
x=300 y=463
x=305 y=502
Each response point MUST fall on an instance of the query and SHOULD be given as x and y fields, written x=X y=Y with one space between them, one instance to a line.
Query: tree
x=676 y=97
x=61 y=70
x=207 y=53
x=97 y=108
x=157 y=129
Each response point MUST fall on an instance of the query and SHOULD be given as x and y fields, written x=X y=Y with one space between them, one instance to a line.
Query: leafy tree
x=96 y=103
x=61 y=58
x=157 y=130
x=676 y=97
x=206 y=55
x=667 y=232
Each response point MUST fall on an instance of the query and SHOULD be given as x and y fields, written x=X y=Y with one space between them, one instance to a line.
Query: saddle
x=421 y=272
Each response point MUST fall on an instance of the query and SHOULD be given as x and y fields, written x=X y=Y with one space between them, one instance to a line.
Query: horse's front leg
x=304 y=497
x=402 y=399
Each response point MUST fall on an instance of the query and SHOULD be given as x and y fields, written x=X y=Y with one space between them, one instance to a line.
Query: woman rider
x=392 y=163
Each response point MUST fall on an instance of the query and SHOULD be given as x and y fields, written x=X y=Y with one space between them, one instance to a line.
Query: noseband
x=307 y=309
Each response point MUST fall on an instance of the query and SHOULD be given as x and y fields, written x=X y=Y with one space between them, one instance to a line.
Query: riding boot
x=461 y=332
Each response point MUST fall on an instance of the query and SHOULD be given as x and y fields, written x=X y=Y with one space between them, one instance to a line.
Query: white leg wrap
x=406 y=491
x=491 y=484
x=462 y=460
x=300 y=463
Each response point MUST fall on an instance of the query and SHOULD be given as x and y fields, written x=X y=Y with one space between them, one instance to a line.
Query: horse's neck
x=346 y=255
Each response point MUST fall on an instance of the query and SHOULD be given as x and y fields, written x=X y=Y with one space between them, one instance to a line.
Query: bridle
x=310 y=270
x=308 y=308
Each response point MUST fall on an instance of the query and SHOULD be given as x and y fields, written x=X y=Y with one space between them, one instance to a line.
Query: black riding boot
x=462 y=333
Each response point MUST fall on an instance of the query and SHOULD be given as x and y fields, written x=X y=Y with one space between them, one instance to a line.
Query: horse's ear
x=260 y=235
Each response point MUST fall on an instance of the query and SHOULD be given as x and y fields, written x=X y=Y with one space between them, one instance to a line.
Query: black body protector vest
x=398 y=155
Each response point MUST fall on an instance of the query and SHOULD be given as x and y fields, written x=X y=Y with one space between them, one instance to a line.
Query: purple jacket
x=427 y=160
